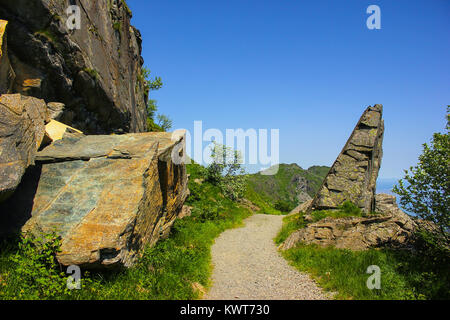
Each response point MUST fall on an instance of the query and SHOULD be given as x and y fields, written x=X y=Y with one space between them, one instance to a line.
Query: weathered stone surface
x=354 y=174
x=95 y=70
x=303 y=207
x=22 y=129
x=7 y=75
x=55 y=130
x=392 y=227
x=55 y=110
x=109 y=196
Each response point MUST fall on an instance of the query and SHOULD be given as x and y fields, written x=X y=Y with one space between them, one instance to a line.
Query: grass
x=404 y=274
x=290 y=224
x=262 y=202
x=172 y=269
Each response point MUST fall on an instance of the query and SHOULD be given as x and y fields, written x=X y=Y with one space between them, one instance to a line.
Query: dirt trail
x=247 y=265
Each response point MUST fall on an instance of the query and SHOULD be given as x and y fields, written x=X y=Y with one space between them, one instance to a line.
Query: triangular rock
x=354 y=174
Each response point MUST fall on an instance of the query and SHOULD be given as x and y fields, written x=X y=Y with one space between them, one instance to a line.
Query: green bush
x=350 y=209
x=425 y=189
x=33 y=271
x=283 y=206
x=226 y=171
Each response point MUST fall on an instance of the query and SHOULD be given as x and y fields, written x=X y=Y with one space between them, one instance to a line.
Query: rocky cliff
x=106 y=194
x=353 y=175
x=94 y=70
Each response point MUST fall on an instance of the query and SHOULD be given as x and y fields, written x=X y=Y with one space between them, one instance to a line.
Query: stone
x=7 y=74
x=186 y=211
x=95 y=71
x=22 y=130
x=108 y=197
x=303 y=207
x=56 y=110
x=390 y=227
x=55 y=130
x=354 y=174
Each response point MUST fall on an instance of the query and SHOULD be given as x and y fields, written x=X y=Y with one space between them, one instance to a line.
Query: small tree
x=425 y=189
x=164 y=123
x=226 y=171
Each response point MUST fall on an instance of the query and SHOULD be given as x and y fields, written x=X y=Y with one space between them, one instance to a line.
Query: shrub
x=425 y=189
x=350 y=209
x=36 y=274
x=226 y=171
x=283 y=206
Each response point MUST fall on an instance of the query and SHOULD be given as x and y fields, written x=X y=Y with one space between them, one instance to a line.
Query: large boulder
x=22 y=129
x=390 y=227
x=94 y=70
x=109 y=196
x=354 y=174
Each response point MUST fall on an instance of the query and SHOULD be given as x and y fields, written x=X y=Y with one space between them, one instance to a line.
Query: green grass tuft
x=403 y=275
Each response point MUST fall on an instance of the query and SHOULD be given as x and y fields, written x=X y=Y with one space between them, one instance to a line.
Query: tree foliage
x=226 y=171
x=425 y=189
x=164 y=123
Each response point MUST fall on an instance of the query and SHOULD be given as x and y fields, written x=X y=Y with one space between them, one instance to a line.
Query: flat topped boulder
x=354 y=174
x=109 y=196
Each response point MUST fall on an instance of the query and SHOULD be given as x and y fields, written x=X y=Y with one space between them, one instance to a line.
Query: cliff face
x=95 y=70
x=353 y=175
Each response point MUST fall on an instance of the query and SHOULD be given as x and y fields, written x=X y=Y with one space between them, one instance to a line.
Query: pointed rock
x=354 y=174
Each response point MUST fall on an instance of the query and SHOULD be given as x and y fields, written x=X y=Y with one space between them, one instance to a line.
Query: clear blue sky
x=308 y=68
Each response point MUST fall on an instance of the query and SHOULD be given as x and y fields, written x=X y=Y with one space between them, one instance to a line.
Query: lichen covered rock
x=354 y=174
x=390 y=227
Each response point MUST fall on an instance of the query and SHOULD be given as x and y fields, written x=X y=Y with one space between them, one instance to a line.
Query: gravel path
x=248 y=266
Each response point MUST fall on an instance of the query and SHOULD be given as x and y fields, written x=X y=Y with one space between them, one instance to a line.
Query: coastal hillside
x=291 y=186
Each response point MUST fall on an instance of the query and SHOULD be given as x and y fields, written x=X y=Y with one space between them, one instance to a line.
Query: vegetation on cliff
x=280 y=192
x=155 y=122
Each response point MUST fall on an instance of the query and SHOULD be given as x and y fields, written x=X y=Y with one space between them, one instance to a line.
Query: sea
x=385 y=185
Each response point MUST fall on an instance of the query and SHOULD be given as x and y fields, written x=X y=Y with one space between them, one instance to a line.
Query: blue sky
x=308 y=68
